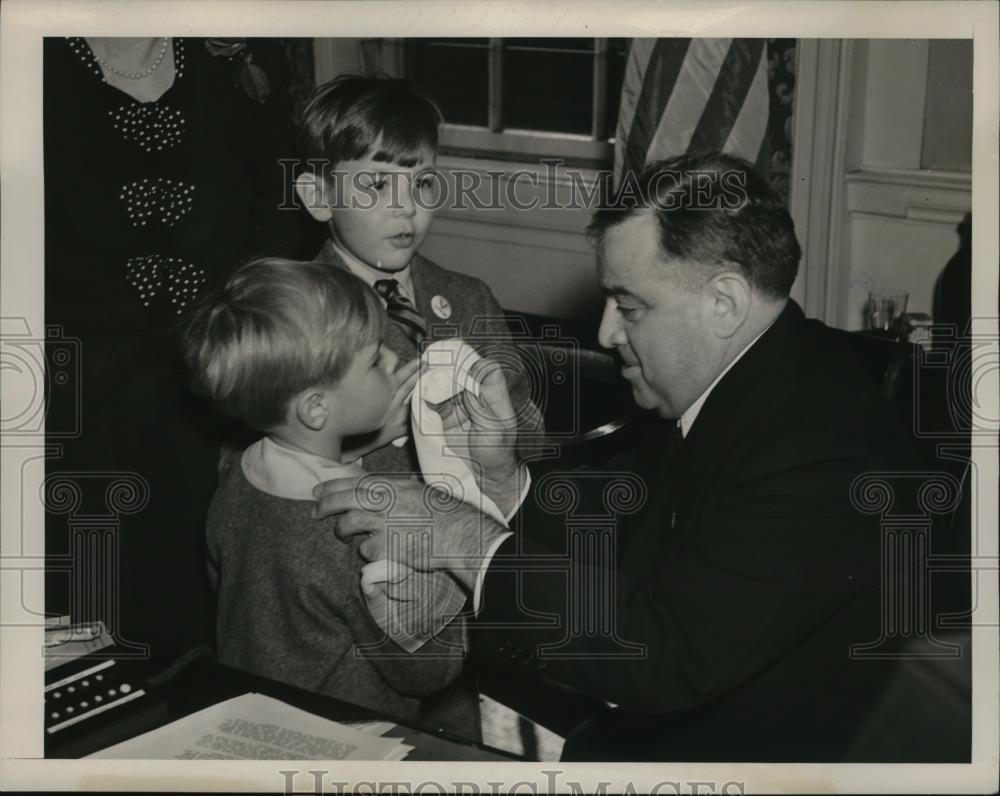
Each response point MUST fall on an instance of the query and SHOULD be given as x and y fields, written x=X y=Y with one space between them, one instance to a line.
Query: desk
x=203 y=683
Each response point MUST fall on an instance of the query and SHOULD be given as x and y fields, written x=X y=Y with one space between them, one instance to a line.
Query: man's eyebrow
x=616 y=290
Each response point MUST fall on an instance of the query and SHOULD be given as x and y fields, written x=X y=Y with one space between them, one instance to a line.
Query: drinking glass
x=885 y=307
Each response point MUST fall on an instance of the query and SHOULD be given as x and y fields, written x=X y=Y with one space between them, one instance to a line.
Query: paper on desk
x=256 y=727
x=372 y=727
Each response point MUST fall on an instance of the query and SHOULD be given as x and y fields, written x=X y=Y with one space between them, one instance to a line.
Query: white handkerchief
x=446 y=373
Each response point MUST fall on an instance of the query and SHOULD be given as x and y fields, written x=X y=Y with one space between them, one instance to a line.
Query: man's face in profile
x=659 y=324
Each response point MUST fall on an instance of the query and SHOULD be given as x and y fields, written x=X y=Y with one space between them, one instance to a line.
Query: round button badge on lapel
x=441 y=307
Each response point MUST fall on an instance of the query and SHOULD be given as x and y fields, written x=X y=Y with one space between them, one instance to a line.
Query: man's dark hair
x=712 y=209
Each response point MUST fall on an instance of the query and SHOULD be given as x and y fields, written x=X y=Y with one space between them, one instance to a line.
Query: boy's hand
x=397 y=423
x=398 y=420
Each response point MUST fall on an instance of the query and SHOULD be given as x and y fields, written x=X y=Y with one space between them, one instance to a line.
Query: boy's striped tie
x=401 y=310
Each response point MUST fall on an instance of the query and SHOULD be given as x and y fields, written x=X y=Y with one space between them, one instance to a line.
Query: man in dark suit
x=719 y=615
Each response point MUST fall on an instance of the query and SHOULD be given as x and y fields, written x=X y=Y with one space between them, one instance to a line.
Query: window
x=523 y=99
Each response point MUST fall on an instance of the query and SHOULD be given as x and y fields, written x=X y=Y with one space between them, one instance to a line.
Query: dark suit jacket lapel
x=642 y=534
x=423 y=289
x=429 y=281
x=678 y=488
x=739 y=398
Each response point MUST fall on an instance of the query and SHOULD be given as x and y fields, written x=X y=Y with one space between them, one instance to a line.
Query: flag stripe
x=728 y=95
x=762 y=165
x=689 y=95
x=750 y=129
x=657 y=85
x=686 y=105
x=639 y=53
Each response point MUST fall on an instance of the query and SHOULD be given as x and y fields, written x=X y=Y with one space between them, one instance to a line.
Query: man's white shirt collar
x=287 y=473
x=691 y=414
x=371 y=275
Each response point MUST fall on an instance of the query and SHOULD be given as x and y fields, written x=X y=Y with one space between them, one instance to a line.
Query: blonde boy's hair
x=278 y=327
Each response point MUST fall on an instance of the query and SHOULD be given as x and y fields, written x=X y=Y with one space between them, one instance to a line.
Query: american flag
x=693 y=95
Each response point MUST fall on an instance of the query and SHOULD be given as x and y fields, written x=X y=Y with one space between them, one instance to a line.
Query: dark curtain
x=302 y=72
x=781 y=87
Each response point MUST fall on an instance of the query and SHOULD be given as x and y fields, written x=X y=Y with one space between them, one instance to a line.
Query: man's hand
x=397 y=422
x=483 y=429
x=436 y=531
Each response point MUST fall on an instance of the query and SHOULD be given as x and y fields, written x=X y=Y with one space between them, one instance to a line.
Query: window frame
x=595 y=149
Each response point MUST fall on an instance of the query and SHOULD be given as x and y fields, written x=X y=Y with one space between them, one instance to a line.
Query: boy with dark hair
x=376 y=140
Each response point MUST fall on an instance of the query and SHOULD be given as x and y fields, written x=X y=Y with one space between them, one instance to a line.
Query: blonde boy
x=295 y=350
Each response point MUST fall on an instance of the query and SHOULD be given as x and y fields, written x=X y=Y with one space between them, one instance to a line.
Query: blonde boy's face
x=381 y=211
x=362 y=398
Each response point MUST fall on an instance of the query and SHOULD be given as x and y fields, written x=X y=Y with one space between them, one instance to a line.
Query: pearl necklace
x=137 y=75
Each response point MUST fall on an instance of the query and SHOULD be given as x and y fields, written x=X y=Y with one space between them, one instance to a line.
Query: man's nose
x=610 y=333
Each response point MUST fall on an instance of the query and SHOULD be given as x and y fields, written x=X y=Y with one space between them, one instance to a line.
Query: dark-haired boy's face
x=381 y=212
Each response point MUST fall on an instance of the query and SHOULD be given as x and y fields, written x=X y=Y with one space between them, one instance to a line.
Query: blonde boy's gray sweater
x=290 y=606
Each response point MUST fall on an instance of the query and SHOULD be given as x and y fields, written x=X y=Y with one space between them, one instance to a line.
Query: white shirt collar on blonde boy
x=288 y=473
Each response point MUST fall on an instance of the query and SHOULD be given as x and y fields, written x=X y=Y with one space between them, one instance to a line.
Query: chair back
x=885 y=360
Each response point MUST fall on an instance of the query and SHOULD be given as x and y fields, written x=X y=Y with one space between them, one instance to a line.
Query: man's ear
x=732 y=297
x=312 y=408
x=311 y=189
